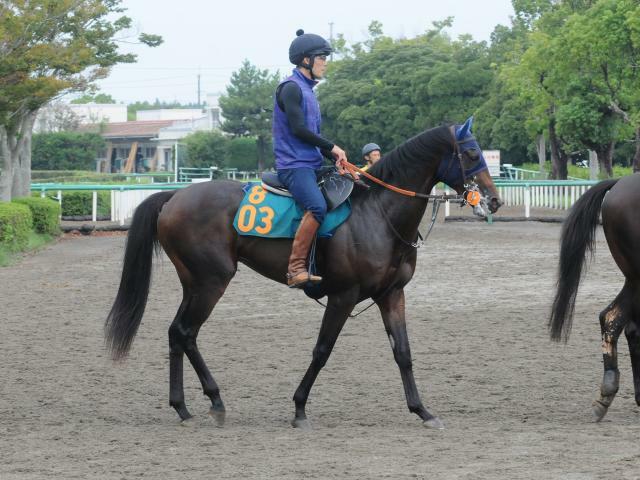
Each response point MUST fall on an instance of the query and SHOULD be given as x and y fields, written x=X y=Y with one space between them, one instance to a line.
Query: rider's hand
x=340 y=157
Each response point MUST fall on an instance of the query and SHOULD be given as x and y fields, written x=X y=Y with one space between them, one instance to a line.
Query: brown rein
x=353 y=170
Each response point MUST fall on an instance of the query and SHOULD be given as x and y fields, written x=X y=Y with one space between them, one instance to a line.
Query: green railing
x=554 y=194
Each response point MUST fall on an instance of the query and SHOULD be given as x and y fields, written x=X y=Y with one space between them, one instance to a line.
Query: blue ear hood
x=464 y=131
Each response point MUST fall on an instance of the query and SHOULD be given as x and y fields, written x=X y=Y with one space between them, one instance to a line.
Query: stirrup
x=310 y=279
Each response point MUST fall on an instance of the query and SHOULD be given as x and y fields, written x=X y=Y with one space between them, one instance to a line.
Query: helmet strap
x=309 y=66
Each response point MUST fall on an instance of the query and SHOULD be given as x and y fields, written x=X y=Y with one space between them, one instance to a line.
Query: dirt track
x=515 y=405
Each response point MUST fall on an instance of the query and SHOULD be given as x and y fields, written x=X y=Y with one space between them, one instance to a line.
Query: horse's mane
x=406 y=161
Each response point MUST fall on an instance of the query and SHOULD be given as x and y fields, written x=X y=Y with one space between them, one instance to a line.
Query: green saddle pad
x=265 y=214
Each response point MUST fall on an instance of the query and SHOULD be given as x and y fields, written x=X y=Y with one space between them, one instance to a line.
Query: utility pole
x=199 y=90
x=331 y=39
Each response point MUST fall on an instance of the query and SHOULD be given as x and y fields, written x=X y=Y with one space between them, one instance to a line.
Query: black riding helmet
x=307 y=45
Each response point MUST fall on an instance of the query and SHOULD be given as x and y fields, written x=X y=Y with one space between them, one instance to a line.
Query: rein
x=353 y=170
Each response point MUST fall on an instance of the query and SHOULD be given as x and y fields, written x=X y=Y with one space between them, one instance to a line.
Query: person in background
x=371 y=153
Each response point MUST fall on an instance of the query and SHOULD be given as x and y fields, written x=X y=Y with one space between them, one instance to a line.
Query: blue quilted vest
x=289 y=150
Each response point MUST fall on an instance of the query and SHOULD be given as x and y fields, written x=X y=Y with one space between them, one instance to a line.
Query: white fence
x=560 y=195
x=124 y=203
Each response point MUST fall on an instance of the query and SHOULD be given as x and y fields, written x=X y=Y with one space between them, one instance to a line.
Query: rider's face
x=373 y=157
x=319 y=66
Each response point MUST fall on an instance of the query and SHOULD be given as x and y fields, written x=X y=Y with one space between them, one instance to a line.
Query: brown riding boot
x=298 y=275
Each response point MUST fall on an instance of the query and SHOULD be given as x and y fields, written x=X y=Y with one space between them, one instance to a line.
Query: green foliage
x=87 y=176
x=577 y=74
x=243 y=154
x=54 y=47
x=35 y=241
x=386 y=91
x=97 y=98
x=48 y=49
x=80 y=203
x=206 y=149
x=247 y=106
x=45 y=213
x=15 y=226
x=580 y=172
x=133 y=108
x=66 y=150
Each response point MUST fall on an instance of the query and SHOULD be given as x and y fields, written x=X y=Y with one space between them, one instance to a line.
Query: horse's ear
x=465 y=130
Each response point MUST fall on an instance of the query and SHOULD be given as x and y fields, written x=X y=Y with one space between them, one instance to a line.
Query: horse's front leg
x=335 y=315
x=392 y=309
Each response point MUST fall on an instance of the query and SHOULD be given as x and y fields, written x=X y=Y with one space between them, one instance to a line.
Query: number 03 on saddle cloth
x=264 y=214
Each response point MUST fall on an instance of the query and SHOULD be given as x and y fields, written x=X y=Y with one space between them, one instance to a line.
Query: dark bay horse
x=369 y=256
x=618 y=202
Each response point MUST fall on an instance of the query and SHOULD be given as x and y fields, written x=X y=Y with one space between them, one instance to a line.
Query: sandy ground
x=515 y=405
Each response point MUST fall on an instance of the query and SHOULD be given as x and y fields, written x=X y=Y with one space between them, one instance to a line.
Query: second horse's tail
x=578 y=236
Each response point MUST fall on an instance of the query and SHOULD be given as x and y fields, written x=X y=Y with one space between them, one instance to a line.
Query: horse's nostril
x=495 y=204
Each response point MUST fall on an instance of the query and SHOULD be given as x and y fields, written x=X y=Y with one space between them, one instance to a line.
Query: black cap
x=306 y=45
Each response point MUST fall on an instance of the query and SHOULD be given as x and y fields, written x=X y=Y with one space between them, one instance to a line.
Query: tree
x=388 y=90
x=97 y=98
x=133 y=108
x=66 y=151
x=206 y=149
x=47 y=49
x=56 y=116
x=247 y=106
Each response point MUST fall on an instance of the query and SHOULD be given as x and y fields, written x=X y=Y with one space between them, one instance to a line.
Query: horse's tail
x=127 y=310
x=578 y=236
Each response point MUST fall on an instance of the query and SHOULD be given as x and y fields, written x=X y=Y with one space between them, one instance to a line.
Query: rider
x=370 y=154
x=298 y=146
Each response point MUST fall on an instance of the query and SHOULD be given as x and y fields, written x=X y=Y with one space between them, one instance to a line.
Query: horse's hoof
x=218 y=416
x=188 y=422
x=434 y=422
x=301 y=423
x=599 y=411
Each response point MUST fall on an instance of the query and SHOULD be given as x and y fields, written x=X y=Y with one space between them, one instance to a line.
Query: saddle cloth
x=264 y=214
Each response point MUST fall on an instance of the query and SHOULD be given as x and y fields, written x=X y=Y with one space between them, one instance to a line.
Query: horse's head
x=466 y=165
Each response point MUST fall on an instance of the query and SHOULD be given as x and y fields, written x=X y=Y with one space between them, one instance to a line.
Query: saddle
x=335 y=188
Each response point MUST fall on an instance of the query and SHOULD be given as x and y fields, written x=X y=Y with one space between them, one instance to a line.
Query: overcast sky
x=212 y=38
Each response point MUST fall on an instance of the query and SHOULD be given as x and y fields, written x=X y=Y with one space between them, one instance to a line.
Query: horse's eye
x=473 y=154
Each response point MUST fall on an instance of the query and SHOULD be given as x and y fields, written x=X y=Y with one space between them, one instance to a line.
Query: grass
x=37 y=241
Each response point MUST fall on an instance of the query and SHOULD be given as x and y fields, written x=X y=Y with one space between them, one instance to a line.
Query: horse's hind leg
x=613 y=320
x=633 y=340
x=632 y=332
x=196 y=307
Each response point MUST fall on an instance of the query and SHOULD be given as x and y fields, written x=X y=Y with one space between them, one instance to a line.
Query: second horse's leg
x=632 y=331
x=612 y=321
